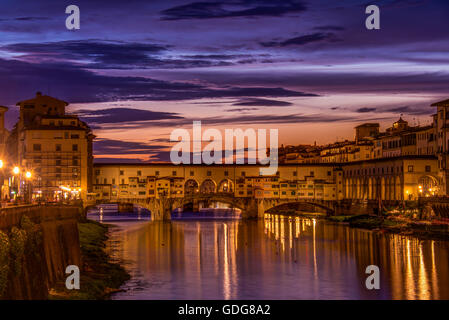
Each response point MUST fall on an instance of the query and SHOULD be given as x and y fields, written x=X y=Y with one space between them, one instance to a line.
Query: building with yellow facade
x=114 y=182
x=55 y=147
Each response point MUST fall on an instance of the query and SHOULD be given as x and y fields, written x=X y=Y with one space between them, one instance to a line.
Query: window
x=113 y=180
x=192 y=173
x=97 y=172
x=58 y=147
x=312 y=173
x=58 y=162
x=295 y=173
x=74 y=147
x=122 y=172
x=36 y=147
x=226 y=173
x=243 y=173
x=410 y=168
x=174 y=173
x=209 y=173
x=105 y=181
x=427 y=168
x=139 y=173
x=157 y=173
x=66 y=135
x=329 y=173
x=75 y=136
x=75 y=161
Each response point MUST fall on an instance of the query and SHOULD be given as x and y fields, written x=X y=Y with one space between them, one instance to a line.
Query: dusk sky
x=138 y=69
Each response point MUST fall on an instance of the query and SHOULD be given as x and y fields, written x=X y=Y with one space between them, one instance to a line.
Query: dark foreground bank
x=99 y=277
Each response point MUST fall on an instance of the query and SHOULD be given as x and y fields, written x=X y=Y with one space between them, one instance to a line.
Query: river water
x=279 y=257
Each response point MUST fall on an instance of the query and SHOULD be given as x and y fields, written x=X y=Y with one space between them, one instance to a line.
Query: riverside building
x=55 y=147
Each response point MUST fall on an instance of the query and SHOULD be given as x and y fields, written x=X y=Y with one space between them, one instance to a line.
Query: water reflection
x=278 y=258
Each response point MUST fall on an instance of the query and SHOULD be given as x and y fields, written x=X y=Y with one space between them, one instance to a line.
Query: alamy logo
x=73 y=280
x=213 y=153
x=373 y=20
x=373 y=280
x=72 y=22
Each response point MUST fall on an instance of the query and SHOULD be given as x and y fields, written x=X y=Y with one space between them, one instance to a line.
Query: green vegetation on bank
x=99 y=277
x=15 y=246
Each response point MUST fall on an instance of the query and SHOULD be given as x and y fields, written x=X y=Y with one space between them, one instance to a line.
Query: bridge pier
x=254 y=208
x=196 y=206
x=160 y=209
x=260 y=209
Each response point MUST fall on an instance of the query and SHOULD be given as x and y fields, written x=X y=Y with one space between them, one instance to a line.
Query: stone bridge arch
x=223 y=197
x=270 y=205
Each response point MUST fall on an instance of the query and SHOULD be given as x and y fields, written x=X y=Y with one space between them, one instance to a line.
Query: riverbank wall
x=37 y=243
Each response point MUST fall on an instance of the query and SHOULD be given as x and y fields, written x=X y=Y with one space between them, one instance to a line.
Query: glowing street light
x=28 y=175
x=1 y=164
x=16 y=170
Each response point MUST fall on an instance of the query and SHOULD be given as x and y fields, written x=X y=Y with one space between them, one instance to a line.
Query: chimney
x=38 y=94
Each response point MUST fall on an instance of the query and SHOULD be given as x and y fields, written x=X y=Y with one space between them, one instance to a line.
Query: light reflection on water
x=278 y=258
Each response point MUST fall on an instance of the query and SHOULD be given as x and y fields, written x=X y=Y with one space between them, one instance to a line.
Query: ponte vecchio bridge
x=334 y=188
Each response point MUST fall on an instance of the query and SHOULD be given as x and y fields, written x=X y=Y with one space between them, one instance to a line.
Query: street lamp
x=1 y=164
x=16 y=182
x=28 y=186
